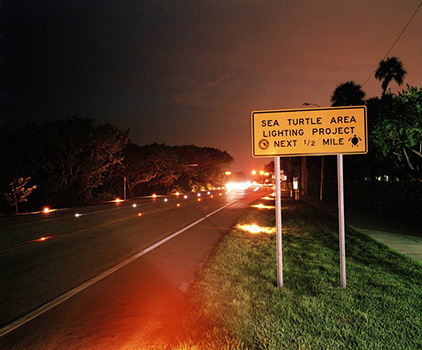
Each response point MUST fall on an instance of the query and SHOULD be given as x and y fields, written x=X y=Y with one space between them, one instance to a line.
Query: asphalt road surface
x=111 y=276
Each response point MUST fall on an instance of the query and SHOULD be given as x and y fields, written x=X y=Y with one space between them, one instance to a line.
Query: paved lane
x=39 y=273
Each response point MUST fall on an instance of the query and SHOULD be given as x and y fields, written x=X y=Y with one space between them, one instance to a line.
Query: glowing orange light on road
x=199 y=199
x=220 y=194
x=42 y=239
x=154 y=195
x=256 y=229
x=165 y=200
x=185 y=197
x=46 y=210
x=177 y=193
x=178 y=204
x=262 y=206
x=212 y=196
x=261 y=172
x=117 y=200
x=139 y=214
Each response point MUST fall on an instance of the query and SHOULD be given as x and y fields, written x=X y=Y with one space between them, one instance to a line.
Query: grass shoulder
x=240 y=307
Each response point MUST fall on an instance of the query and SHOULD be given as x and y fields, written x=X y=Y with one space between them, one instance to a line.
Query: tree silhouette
x=348 y=94
x=19 y=192
x=390 y=69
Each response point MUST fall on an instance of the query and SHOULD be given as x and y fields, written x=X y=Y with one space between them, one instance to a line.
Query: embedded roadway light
x=42 y=239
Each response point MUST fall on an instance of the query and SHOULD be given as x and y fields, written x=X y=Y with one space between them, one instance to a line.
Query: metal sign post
x=341 y=220
x=310 y=132
x=278 y=222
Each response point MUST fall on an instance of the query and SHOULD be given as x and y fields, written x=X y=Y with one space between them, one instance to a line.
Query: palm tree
x=390 y=69
x=348 y=94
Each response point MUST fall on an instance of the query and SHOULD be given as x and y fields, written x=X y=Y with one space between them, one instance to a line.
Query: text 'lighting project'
x=310 y=132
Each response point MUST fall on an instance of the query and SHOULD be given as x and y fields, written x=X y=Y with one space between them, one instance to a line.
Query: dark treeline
x=389 y=178
x=77 y=161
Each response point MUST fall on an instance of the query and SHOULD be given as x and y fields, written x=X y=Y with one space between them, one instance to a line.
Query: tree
x=163 y=168
x=19 y=192
x=397 y=134
x=149 y=166
x=388 y=70
x=348 y=94
x=68 y=159
x=202 y=167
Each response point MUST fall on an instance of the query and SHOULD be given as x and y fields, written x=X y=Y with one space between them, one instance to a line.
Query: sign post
x=278 y=221
x=310 y=132
x=341 y=229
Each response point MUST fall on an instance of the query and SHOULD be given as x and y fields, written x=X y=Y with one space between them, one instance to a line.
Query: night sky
x=191 y=72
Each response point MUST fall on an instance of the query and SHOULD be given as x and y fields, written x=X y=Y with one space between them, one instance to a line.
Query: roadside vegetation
x=240 y=306
x=388 y=179
x=77 y=161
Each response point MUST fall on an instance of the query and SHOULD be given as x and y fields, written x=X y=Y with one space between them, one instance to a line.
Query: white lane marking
x=53 y=303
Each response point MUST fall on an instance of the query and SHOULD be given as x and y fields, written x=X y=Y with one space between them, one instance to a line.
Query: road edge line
x=62 y=298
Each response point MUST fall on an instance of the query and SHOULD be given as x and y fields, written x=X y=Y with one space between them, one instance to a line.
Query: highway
x=69 y=278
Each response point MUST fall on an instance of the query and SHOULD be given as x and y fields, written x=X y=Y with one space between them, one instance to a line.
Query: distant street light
x=228 y=173
x=253 y=172
x=310 y=104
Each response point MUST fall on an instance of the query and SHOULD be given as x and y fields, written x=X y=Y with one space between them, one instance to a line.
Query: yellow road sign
x=306 y=131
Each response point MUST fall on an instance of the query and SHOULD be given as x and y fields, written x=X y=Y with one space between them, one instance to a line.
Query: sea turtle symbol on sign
x=263 y=144
x=355 y=140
